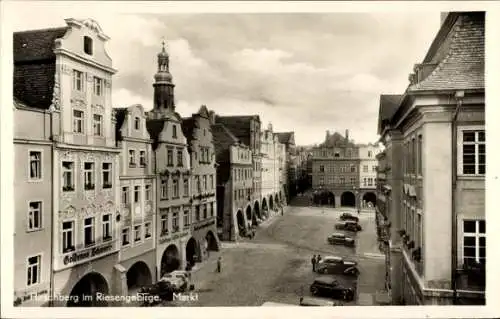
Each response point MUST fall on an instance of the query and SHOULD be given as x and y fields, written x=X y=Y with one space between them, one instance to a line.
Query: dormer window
x=137 y=123
x=87 y=45
x=174 y=131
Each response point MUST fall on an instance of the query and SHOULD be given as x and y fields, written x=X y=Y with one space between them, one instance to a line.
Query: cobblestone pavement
x=275 y=265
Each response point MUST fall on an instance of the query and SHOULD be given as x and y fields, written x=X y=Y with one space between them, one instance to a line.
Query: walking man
x=313 y=262
x=318 y=259
x=219 y=264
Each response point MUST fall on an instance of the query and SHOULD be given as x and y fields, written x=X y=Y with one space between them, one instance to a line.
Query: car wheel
x=323 y=271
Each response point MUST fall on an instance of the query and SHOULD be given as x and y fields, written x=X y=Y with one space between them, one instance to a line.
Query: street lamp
x=356 y=192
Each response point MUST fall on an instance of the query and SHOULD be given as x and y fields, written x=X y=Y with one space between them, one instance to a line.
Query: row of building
x=109 y=199
x=431 y=175
x=344 y=173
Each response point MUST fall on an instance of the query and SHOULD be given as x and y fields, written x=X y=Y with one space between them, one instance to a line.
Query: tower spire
x=163 y=86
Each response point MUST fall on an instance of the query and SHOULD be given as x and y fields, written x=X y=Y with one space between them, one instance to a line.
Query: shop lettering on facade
x=174 y=237
x=210 y=223
x=77 y=257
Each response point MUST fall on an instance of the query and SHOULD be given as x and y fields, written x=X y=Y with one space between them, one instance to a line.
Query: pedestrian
x=281 y=211
x=313 y=262
x=318 y=259
x=219 y=264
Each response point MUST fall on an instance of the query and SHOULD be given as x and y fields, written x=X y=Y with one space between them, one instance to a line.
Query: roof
x=238 y=125
x=285 y=137
x=187 y=125
x=120 y=114
x=35 y=45
x=325 y=279
x=223 y=139
x=389 y=104
x=462 y=67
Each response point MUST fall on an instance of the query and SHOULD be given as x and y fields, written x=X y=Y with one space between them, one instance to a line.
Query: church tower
x=163 y=86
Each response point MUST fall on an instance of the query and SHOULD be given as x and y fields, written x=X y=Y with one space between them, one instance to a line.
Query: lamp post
x=356 y=192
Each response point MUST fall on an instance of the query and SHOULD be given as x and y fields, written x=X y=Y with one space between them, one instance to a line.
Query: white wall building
x=270 y=170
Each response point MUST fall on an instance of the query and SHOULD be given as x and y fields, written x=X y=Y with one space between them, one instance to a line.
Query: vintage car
x=179 y=279
x=338 y=266
x=327 y=286
x=348 y=225
x=341 y=239
x=349 y=216
x=162 y=289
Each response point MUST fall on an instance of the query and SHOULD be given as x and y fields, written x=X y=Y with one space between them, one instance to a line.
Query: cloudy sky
x=303 y=72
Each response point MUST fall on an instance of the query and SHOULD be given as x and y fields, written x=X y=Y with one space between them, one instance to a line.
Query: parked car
x=329 y=287
x=348 y=225
x=162 y=289
x=341 y=239
x=349 y=216
x=338 y=266
x=179 y=279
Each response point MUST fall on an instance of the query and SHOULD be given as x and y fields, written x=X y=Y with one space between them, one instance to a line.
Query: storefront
x=136 y=271
x=170 y=252
x=81 y=278
x=204 y=234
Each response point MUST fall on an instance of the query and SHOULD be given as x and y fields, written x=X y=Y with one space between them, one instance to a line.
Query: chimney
x=347 y=135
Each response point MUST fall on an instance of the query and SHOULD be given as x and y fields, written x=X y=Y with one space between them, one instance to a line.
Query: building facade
x=270 y=172
x=288 y=139
x=368 y=173
x=198 y=132
x=137 y=257
x=235 y=184
x=246 y=129
x=33 y=205
x=436 y=136
x=175 y=245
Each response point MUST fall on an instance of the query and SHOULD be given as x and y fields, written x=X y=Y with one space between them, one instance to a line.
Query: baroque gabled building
x=270 y=172
x=137 y=257
x=198 y=132
x=291 y=171
x=368 y=173
x=174 y=244
x=436 y=151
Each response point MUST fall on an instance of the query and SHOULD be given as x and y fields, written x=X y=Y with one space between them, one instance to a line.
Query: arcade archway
x=276 y=200
x=170 y=260
x=212 y=244
x=271 y=202
x=348 y=199
x=370 y=199
x=84 y=293
x=249 y=213
x=330 y=199
x=264 y=206
x=256 y=210
x=138 y=276
x=240 y=220
x=191 y=246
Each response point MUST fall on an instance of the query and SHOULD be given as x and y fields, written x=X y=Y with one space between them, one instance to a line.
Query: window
x=106 y=227
x=170 y=157
x=370 y=181
x=97 y=86
x=365 y=168
x=137 y=194
x=179 y=158
x=137 y=123
x=353 y=169
x=369 y=153
x=212 y=208
x=35 y=216
x=321 y=180
x=147 y=230
x=125 y=199
x=212 y=181
x=77 y=80
x=35 y=165
x=419 y=154
x=164 y=220
x=68 y=236
x=77 y=121
x=186 y=219
x=337 y=154
x=175 y=221
x=88 y=171
x=106 y=175
x=142 y=158
x=164 y=189
x=174 y=131
x=474 y=244
x=176 y=188
x=87 y=45
x=131 y=158
x=88 y=231
x=197 y=211
x=34 y=265
x=197 y=182
x=353 y=180
x=137 y=233
x=147 y=191
x=473 y=152
x=374 y=169
x=186 y=187
x=322 y=168
x=125 y=236
x=342 y=180
x=204 y=182
x=205 y=213
x=364 y=181
x=68 y=179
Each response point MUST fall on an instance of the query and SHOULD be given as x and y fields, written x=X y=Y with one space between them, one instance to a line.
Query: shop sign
x=174 y=237
x=89 y=253
x=206 y=224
